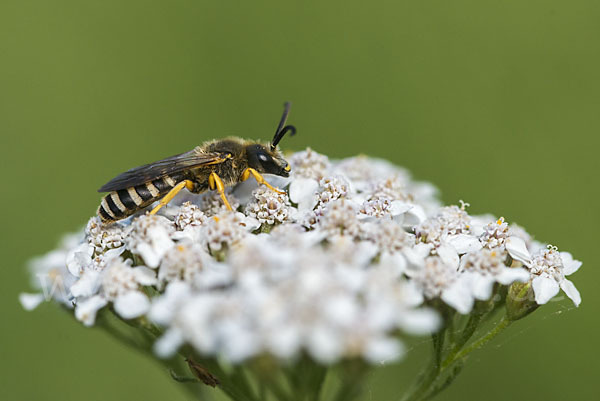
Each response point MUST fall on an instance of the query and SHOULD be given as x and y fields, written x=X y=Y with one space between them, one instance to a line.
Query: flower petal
x=448 y=254
x=302 y=192
x=30 y=301
x=413 y=294
x=86 y=311
x=164 y=307
x=458 y=296
x=544 y=289
x=398 y=207
x=570 y=265
x=79 y=258
x=394 y=260
x=144 y=275
x=569 y=288
x=482 y=286
x=415 y=257
x=132 y=304
x=323 y=344
x=517 y=249
x=87 y=285
x=414 y=216
x=285 y=341
x=420 y=321
x=383 y=349
x=150 y=257
x=511 y=274
x=168 y=344
x=464 y=243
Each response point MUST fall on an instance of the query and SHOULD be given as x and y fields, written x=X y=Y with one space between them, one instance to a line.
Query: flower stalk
x=442 y=371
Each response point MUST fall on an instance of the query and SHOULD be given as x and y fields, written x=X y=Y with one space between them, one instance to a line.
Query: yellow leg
x=214 y=182
x=221 y=160
x=259 y=178
x=168 y=197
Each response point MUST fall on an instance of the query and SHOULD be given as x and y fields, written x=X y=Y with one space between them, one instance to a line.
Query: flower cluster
x=354 y=253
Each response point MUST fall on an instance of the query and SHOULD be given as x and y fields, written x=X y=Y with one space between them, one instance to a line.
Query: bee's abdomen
x=120 y=204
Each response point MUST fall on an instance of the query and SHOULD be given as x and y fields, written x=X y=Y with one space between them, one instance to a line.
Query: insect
x=213 y=165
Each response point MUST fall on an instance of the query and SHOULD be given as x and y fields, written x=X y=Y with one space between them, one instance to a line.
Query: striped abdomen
x=123 y=203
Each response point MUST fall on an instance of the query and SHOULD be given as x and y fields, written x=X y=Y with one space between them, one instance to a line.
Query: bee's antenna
x=282 y=129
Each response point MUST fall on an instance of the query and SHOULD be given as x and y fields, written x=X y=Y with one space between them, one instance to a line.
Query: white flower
x=227 y=229
x=280 y=300
x=49 y=274
x=150 y=237
x=447 y=222
x=392 y=188
x=437 y=279
x=268 y=206
x=363 y=171
x=547 y=269
x=212 y=204
x=189 y=215
x=381 y=207
x=356 y=257
x=119 y=283
x=121 y=278
x=345 y=250
x=487 y=267
x=388 y=235
x=183 y=263
x=309 y=164
x=104 y=237
x=339 y=217
x=377 y=207
x=454 y=219
x=332 y=188
x=429 y=231
x=494 y=234
x=310 y=219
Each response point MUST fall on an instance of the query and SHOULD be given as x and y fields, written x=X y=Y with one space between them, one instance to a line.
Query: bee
x=214 y=165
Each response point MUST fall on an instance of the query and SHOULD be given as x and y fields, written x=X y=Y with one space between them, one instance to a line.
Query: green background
x=494 y=102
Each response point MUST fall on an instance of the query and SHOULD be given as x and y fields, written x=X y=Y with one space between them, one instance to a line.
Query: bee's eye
x=262 y=157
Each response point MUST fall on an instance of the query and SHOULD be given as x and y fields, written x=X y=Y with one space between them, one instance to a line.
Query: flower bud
x=520 y=301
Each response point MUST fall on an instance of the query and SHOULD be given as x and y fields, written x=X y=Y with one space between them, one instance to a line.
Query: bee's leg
x=259 y=178
x=214 y=182
x=174 y=191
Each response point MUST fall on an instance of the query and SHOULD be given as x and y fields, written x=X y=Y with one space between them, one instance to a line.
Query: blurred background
x=494 y=102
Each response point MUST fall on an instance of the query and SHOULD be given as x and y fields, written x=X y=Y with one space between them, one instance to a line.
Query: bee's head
x=268 y=159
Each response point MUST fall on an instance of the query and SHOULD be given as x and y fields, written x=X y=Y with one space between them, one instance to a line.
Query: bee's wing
x=170 y=165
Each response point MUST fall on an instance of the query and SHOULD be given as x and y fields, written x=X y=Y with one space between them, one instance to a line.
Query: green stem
x=353 y=378
x=449 y=379
x=465 y=336
x=267 y=374
x=125 y=333
x=504 y=323
x=427 y=387
x=432 y=371
x=306 y=378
